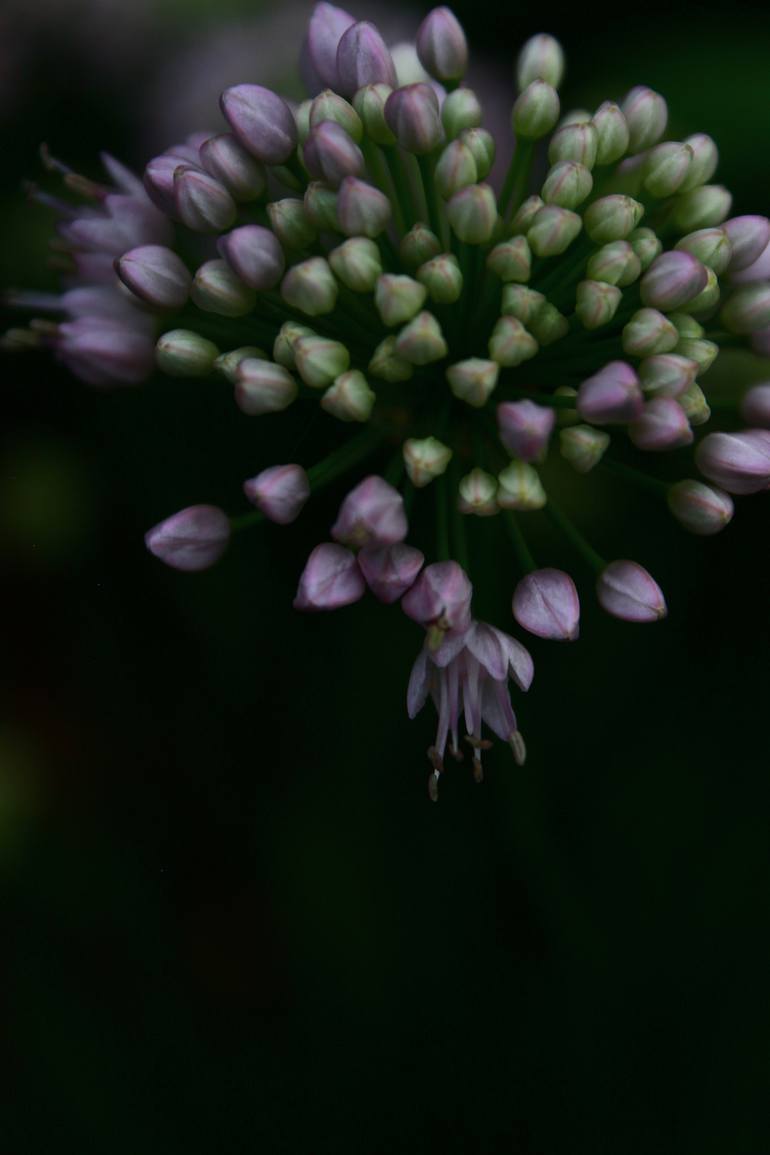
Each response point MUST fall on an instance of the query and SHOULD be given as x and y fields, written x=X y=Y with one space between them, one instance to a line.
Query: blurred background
x=233 y=918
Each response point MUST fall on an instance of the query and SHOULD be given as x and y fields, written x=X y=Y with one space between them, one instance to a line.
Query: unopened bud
x=302 y=117
x=510 y=344
x=263 y=387
x=455 y=169
x=442 y=278
x=371 y=514
x=649 y=332
x=441 y=45
x=520 y=487
x=191 y=540
x=350 y=397
x=747 y=309
x=357 y=263
x=461 y=109
x=611 y=131
x=363 y=58
x=705 y=158
x=386 y=363
x=666 y=167
x=755 y=406
x=575 y=141
x=320 y=203
x=233 y=166
x=553 y=231
x=202 y=203
x=583 y=446
x=616 y=263
x=536 y=111
x=320 y=360
x=425 y=459
x=472 y=214
x=217 y=289
x=473 y=380
x=700 y=508
x=541 y=58
x=666 y=374
x=511 y=260
x=262 y=121
x=283 y=347
x=478 y=493
x=421 y=341
x=482 y=145
x=672 y=281
x=612 y=218
x=646 y=245
x=331 y=154
x=737 y=462
x=711 y=246
x=331 y=579
x=611 y=396
x=596 y=303
x=329 y=105
x=227 y=363
x=279 y=492
x=291 y=224
x=646 y=115
x=548 y=324
x=310 y=287
x=523 y=303
x=369 y=102
x=749 y=236
x=183 y=353
x=567 y=184
x=686 y=326
x=418 y=246
x=412 y=113
x=696 y=407
x=362 y=210
x=525 y=428
x=156 y=275
x=398 y=298
x=661 y=425
x=702 y=208
x=546 y=603
x=707 y=298
x=254 y=254
x=524 y=216
x=390 y=570
x=703 y=353
x=627 y=591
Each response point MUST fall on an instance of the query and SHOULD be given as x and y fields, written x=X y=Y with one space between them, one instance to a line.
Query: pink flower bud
x=371 y=514
x=327 y=24
x=627 y=591
x=159 y=180
x=611 y=396
x=105 y=351
x=699 y=508
x=441 y=598
x=226 y=159
x=525 y=428
x=390 y=570
x=755 y=406
x=441 y=45
x=331 y=154
x=363 y=58
x=412 y=114
x=155 y=275
x=262 y=121
x=202 y=203
x=661 y=425
x=749 y=237
x=672 y=280
x=546 y=603
x=362 y=210
x=192 y=539
x=738 y=462
x=331 y=579
x=254 y=253
x=279 y=492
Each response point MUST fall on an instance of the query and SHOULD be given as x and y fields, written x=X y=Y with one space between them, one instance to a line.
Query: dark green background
x=234 y=921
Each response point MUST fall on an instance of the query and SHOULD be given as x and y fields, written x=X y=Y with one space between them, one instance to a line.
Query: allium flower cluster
x=354 y=255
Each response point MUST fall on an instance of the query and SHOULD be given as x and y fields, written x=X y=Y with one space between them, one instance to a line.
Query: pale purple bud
x=440 y=599
x=371 y=514
x=611 y=396
x=363 y=58
x=747 y=309
x=331 y=154
x=390 y=570
x=228 y=161
x=263 y=387
x=362 y=210
x=755 y=406
x=159 y=181
x=262 y=121
x=331 y=579
x=327 y=25
x=192 y=539
x=738 y=462
x=525 y=428
x=412 y=114
x=627 y=591
x=441 y=45
x=672 y=280
x=227 y=363
x=699 y=508
x=155 y=275
x=254 y=254
x=711 y=246
x=202 y=203
x=646 y=115
x=546 y=603
x=759 y=270
x=749 y=237
x=661 y=425
x=279 y=492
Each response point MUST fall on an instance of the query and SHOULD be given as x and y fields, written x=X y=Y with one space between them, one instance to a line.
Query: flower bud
x=519 y=487
x=611 y=132
x=646 y=246
x=398 y=298
x=440 y=599
x=567 y=184
x=703 y=353
x=262 y=121
x=227 y=363
x=577 y=142
x=302 y=117
x=738 y=462
x=511 y=260
x=478 y=494
x=369 y=102
x=510 y=344
x=583 y=446
x=191 y=540
x=666 y=167
x=362 y=210
x=254 y=254
x=412 y=114
x=202 y=203
x=596 y=303
x=327 y=24
x=525 y=428
x=441 y=45
x=616 y=264
x=524 y=216
x=711 y=246
x=330 y=154
x=628 y=592
x=421 y=341
x=283 y=347
x=159 y=181
x=667 y=374
x=673 y=280
x=473 y=380
x=279 y=492
x=523 y=303
x=461 y=109
x=749 y=237
x=612 y=218
x=699 y=508
x=482 y=145
x=442 y=278
x=747 y=309
x=704 y=161
x=707 y=298
x=216 y=289
x=349 y=398
x=661 y=425
x=536 y=111
x=363 y=58
x=319 y=360
x=611 y=396
x=291 y=224
x=225 y=158
x=541 y=58
x=686 y=326
x=701 y=208
x=310 y=287
x=156 y=275
x=553 y=231
x=183 y=353
x=386 y=363
x=646 y=115
x=320 y=204
x=371 y=514
x=425 y=459
x=546 y=603
x=418 y=246
x=328 y=105
x=472 y=214
x=390 y=570
x=755 y=406
x=548 y=324
x=357 y=263
x=455 y=169
x=331 y=579
x=263 y=387
x=695 y=406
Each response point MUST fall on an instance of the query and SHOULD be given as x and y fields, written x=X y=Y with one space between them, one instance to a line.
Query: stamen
x=518 y=747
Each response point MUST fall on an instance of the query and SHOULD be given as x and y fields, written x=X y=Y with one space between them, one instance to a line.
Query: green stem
x=404 y=196
x=382 y=176
x=575 y=537
x=433 y=201
x=516 y=179
x=459 y=537
x=526 y=560
x=635 y=476
x=443 y=551
x=555 y=401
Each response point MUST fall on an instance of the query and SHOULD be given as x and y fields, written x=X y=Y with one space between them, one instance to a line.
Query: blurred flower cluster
x=350 y=253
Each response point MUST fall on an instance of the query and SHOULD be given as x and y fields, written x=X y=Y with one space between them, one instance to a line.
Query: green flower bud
x=386 y=363
x=646 y=245
x=747 y=309
x=611 y=133
x=183 y=353
x=708 y=298
x=216 y=289
x=649 y=332
x=711 y=246
x=666 y=167
x=418 y=246
x=263 y=387
x=425 y=459
x=477 y=493
x=541 y=58
x=511 y=260
x=646 y=115
x=575 y=116
x=369 y=103
x=702 y=208
x=455 y=169
x=310 y=287
x=329 y=106
x=696 y=407
x=321 y=207
x=302 y=117
x=535 y=111
x=521 y=302
x=349 y=398
x=666 y=375
x=703 y=353
x=685 y=325
x=357 y=263
x=472 y=214
x=510 y=343
x=583 y=446
x=526 y=215
x=596 y=303
x=291 y=224
x=461 y=109
x=283 y=347
x=553 y=231
x=398 y=298
x=227 y=363
x=482 y=145
x=473 y=380
x=421 y=341
x=705 y=157
x=549 y=325
x=520 y=487
x=567 y=184
x=319 y=360
x=616 y=263
x=442 y=278
x=574 y=141
x=612 y=218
